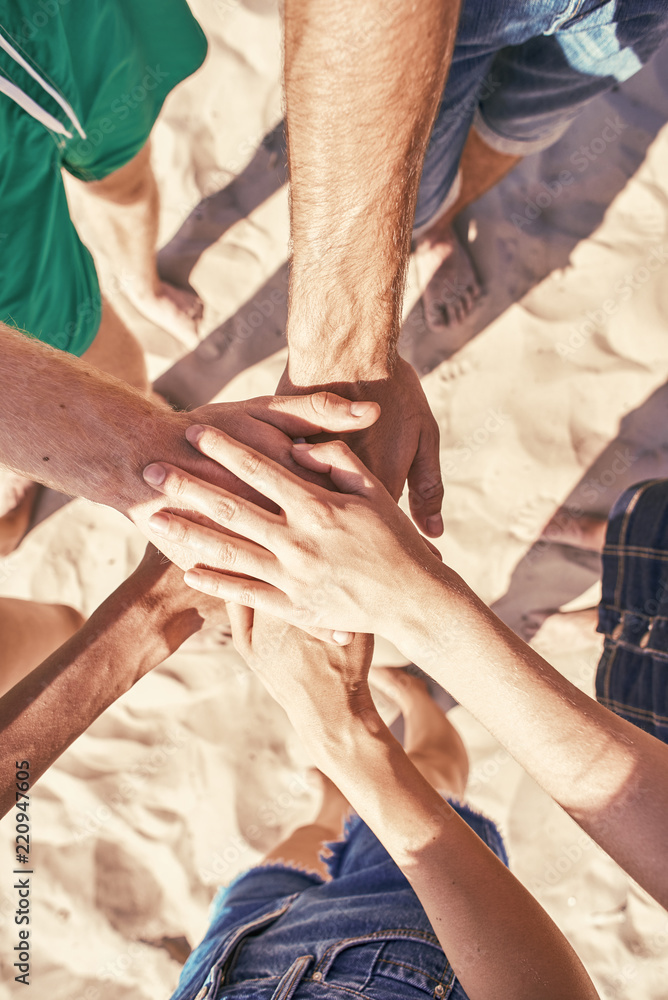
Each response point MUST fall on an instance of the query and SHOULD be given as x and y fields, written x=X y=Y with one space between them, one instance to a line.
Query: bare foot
x=17 y=502
x=584 y=532
x=173 y=309
x=430 y=739
x=446 y=272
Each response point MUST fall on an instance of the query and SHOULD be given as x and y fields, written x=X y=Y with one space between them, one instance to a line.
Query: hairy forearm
x=42 y=715
x=611 y=777
x=76 y=429
x=497 y=938
x=362 y=82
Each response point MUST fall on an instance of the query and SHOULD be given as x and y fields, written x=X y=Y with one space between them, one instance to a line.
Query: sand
x=553 y=391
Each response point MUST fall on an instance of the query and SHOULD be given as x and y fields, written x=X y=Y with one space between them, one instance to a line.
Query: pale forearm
x=497 y=938
x=362 y=81
x=611 y=777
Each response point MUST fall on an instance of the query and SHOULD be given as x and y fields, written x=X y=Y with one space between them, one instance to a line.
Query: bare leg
x=584 y=532
x=116 y=351
x=18 y=496
x=440 y=259
x=126 y=226
x=31 y=632
x=430 y=740
x=302 y=848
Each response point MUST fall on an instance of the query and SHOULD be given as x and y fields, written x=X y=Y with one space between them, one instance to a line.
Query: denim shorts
x=632 y=675
x=278 y=933
x=523 y=69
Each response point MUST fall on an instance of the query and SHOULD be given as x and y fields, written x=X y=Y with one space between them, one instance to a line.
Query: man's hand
x=403 y=444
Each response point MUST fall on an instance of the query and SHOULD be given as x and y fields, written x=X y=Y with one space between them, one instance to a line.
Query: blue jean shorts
x=282 y=934
x=632 y=675
x=522 y=70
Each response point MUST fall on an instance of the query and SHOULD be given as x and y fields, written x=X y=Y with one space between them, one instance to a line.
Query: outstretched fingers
x=250 y=466
x=223 y=507
x=217 y=549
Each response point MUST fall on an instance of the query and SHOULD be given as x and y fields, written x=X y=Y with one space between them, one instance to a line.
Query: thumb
x=334 y=458
x=302 y=416
x=425 y=486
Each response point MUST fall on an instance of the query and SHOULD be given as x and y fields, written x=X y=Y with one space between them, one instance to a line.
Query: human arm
x=352 y=561
x=363 y=79
x=88 y=434
x=497 y=938
x=138 y=626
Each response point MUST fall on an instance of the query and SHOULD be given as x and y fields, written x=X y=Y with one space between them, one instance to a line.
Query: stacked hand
x=326 y=560
x=402 y=445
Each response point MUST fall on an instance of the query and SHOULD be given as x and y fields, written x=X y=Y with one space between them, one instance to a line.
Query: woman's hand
x=339 y=561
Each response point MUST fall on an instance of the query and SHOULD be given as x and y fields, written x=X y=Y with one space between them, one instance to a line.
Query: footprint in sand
x=451 y=287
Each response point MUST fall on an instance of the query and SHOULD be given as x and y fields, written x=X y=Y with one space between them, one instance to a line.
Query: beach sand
x=552 y=392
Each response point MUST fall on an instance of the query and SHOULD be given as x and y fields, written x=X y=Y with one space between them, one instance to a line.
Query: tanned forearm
x=610 y=776
x=44 y=713
x=362 y=81
x=76 y=429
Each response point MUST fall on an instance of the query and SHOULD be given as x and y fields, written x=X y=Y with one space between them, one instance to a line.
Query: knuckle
x=321 y=402
x=227 y=555
x=341 y=448
x=176 y=485
x=316 y=512
x=251 y=464
x=430 y=489
x=247 y=597
x=224 y=510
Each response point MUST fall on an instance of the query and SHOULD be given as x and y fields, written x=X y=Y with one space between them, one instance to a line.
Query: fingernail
x=155 y=474
x=298 y=440
x=359 y=409
x=342 y=638
x=302 y=446
x=435 y=524
x=193 y=578
x=194 y=433
x=159 y=523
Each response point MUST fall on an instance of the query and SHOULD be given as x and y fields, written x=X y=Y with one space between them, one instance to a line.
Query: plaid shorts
x=632 y=675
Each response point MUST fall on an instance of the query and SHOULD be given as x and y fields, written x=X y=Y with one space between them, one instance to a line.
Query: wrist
x=435 y=612
x=311 y=369
x=161 y=433
x=338 y=738
x=148 y=625
x=339 y=340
